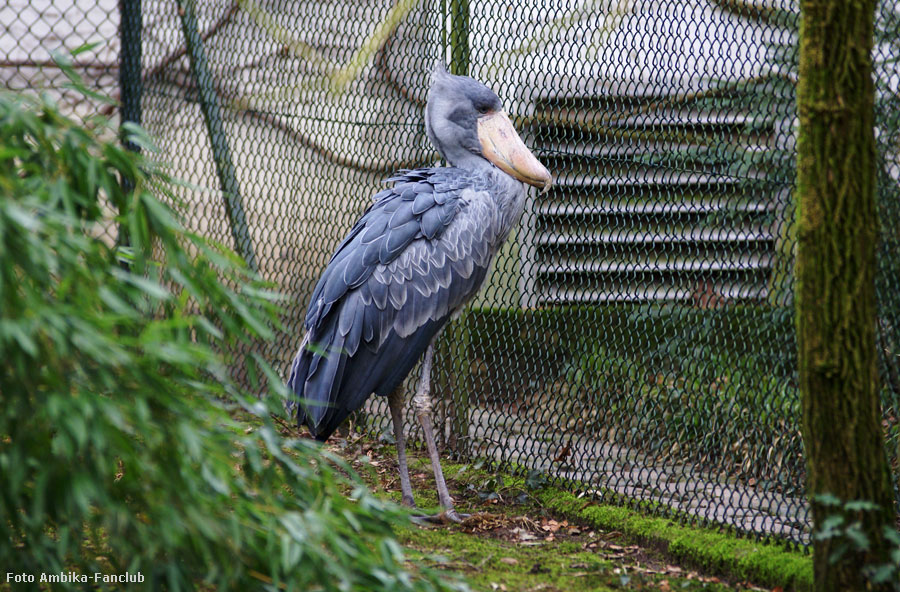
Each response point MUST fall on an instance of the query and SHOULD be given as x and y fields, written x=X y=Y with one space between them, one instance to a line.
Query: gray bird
x=411 y=263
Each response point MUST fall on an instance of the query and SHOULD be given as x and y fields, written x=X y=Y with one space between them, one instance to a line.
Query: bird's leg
x=395 y=402
x=422 y=401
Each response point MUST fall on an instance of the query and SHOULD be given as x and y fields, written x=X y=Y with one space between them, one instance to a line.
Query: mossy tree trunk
x=835 y=271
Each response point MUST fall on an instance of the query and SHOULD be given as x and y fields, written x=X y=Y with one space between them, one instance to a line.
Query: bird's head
x=465 y=121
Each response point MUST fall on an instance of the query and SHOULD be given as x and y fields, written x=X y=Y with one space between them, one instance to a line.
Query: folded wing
x=420 y=252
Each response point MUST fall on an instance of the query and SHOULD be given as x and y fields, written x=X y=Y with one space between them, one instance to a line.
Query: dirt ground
x=511 y=542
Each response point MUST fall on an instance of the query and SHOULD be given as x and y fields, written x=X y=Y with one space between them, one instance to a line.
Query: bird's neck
x=478 y=166
x=463 y=159
x=510 y=198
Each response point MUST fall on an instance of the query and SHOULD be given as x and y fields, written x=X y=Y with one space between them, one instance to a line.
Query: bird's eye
x=483 y=109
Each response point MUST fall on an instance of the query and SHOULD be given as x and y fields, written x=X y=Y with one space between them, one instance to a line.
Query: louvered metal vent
x=657 y=199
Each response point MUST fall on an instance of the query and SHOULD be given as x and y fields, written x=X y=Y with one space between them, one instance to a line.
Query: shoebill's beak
x=501 y=145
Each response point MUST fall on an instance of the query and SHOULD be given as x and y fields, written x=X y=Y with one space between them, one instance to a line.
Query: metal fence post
x=459 y=37
x=212 y=113
x=130 y=28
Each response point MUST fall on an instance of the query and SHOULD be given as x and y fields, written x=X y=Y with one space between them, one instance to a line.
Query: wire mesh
x=635 y=340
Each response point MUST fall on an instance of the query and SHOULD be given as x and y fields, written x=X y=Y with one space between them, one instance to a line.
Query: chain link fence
x=636 y=338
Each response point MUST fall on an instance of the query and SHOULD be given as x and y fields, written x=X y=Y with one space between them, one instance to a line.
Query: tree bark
x=835 y=272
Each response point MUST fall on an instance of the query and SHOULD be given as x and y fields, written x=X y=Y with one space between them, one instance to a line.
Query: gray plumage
x=419 y=253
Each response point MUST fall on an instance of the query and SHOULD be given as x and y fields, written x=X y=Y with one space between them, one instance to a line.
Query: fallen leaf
x=509 y=560
x=563 y=454
x=550 y=525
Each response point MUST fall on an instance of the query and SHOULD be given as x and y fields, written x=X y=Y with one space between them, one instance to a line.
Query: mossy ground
x=519 y=538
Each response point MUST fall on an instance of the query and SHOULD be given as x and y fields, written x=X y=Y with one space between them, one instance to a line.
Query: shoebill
x=414 y=259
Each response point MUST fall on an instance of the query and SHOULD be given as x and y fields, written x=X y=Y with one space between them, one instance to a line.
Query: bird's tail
x=299 y=404
x=315 y=379
x=299 y=367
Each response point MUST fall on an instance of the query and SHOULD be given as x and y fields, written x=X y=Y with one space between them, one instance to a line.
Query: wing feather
x=397 y=239
x=424 y=202
x=417 y=255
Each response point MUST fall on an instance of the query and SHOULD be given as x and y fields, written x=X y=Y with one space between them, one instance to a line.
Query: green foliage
x=118 y=447
x=535 y=480
x=733 y=414
x=710 y=386
x=845 y=528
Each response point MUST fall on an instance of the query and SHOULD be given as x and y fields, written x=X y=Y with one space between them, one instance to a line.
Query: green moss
x=712 y=551
x=487 y=563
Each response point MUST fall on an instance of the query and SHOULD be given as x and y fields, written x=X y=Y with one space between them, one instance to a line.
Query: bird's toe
x=446 y=517
x=454 y=516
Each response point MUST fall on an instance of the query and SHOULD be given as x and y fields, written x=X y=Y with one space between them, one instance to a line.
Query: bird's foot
x=408 y=502
x=445 y=518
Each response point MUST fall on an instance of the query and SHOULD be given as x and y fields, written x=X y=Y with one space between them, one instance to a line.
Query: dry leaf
x=550 y=525
x=563 y=454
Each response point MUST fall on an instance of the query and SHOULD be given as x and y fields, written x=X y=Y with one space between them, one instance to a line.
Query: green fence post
x=459 y=37
x=130 y=84
x=212 y=114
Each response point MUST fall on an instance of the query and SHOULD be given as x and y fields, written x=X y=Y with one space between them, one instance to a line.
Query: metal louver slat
x=648 y=206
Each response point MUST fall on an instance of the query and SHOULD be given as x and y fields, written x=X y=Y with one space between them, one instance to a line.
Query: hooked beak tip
x=543 y=180
x=547 y=184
